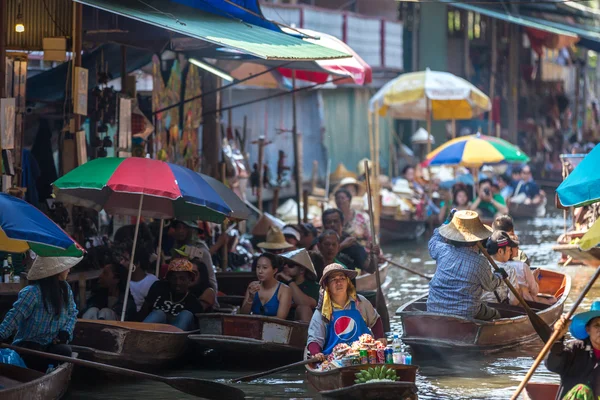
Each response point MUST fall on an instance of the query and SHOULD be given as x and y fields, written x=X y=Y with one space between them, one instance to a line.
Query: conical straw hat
x=465 y=227
x=301 y=258
x=43 y=267
x=275 y=240
x=360 y=186
x=340 y=173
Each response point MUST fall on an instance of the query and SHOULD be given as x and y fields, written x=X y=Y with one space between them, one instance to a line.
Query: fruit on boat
x=377 y=374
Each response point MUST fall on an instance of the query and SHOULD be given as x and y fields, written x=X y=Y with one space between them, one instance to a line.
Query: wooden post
x=275 y=201
x=77 y=44
x=493 y=68
x=123 y=69
x=428 y=117
x=261 y=152
x=3 y=29
x=513 y=82
x=577 y=104
x=225 y=248
x=297 y=161
x=453 y=128
x=376 y=169
x=305 y=205
x=211 y=143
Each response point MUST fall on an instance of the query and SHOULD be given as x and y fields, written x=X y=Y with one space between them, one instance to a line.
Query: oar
x=409 y=269
x=554 y=336
x=542 y=329
x=252 y=377
x=380 y=302
x=194 y=386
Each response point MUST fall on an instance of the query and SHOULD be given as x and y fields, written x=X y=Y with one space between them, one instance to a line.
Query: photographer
x=488 y=204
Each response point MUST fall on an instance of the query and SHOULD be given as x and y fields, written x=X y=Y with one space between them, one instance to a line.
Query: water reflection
x=481 y=377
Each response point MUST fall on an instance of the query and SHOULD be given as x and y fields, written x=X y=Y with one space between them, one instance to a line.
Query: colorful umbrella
x=449 y=97
x=239 y=210
x=23 y=227
x=474 y=151
x=582 y=186
x=116 y=184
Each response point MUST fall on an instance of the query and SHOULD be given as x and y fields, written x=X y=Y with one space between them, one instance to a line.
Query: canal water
x=482 y=377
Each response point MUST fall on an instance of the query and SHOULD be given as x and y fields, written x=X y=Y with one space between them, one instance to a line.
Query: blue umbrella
x=582 y=186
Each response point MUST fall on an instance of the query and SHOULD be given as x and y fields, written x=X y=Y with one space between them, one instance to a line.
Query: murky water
x=484 y=377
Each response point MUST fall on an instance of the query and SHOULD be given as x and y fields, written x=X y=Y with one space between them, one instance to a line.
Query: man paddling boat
x=462 y=274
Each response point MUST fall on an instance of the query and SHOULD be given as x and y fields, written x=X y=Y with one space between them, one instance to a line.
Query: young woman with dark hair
x=106 y=302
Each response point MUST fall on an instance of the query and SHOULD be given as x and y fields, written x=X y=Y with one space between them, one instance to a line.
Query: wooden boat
x=243 y=334
x=541 y=391
x=572 y=254
x=339 y=383
x=18 y=383
x=522 y=211
x=135 y=345
x=369 y=281
x=234 y=283
x=438 y=333
x=394 y=230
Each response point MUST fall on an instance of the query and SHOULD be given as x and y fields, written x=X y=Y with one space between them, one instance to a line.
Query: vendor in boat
x=343 y=316
x=459 y=200
x=356 y=223
x=308 y=236
x=527 y=191
x=487 y=204
x=328 y=244
x=500 y=247
x=462 y=274
x=44 y=315
x=170 y=301
x=106 y=302
x=333 y=219
x=505 y=223
x=275 y=242
x=267 y=296
x=577 y=361
x=292 y=235
x=300 y=275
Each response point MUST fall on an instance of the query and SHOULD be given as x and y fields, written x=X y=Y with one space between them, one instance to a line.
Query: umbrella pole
x=135 y=238
x=159 y=249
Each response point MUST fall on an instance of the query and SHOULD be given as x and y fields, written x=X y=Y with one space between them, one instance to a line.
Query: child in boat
x=106 y=302
x=500 y=246
x=267 y=296
x=44 y=315
x=170 y=301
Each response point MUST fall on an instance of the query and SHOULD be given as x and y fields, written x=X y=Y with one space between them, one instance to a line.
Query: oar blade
x=542 y=329
x=205 y=389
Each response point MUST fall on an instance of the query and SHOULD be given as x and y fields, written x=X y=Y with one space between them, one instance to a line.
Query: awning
x=227 y=32
x=514 y=19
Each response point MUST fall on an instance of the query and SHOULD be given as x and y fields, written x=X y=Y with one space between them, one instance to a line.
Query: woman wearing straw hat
x=44 y=315
x=462 y=274
x=577 y=362
x=356 y=223
x=343 y=316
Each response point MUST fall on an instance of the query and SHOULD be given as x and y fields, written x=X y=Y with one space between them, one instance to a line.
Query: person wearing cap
x=275 y=242
x=343 y=315
x=462 y=274
x=291 y=233
x=300 y=275
x=506 y=223
x=44 y=315
x=356 y=223
x=577 y=361
x=170 y=301
x=500 y=246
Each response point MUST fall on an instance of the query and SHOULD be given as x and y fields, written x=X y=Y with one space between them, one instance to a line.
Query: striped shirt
x=32 y=322
x=460 y=279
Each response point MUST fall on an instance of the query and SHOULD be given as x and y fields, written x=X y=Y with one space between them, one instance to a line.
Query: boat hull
x=437 y=333
x=243 y=334
x=368 y=282
x=134 y=345
x=393 y=230
x=523 y=211
x=577 y=256
x=541 y=391
x=339 y=383
x=27 y=384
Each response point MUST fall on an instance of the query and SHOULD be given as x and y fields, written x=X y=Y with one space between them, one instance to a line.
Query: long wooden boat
x=573 y=255
x=369 y=281
x=339 y=383
x=135 y=345
x=18 y=383
x=541 y=391
x=394 y=230
x=522 y=211
x=256 y=334
x=438 y=333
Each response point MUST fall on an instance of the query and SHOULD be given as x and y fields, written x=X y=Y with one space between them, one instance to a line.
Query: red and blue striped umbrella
x=117 y=185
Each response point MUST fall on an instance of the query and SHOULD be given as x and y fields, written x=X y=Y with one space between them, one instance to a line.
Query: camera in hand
x=487 y=192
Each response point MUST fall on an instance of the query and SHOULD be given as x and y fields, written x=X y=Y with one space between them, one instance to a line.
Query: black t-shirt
x=160 y=298
x=356 y=252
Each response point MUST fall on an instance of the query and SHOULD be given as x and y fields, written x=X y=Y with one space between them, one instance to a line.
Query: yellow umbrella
x=591 y=238
x=446 y=96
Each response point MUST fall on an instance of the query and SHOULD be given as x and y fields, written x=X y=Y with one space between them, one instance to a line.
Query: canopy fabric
x=451 y=97
x=591 y=238
x=228 y=32
x=473 y=151
x=239 y=209
x=582 y=186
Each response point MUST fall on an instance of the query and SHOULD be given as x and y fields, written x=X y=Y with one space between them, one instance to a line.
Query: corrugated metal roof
x=42 y=18
x=231 y=33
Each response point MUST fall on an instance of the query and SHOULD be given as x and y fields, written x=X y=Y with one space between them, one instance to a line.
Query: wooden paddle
x=542 y=329
x=409 y=269
x=380 y=303
x=252 y=377
x=554 y=336
x=194 y=386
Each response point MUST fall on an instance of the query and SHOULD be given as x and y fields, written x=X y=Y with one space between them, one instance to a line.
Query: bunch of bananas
x=377 y=374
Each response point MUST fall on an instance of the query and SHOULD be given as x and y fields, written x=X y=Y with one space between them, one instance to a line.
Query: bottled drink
x=389 y=355
x=407 y=359
x=397 y=346
x=10 y=268
x=6 y=272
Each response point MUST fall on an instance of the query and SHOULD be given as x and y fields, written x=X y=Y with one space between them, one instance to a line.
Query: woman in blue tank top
x=267 y=296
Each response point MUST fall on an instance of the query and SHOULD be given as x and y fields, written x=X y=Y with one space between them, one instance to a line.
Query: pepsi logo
x=345 y=328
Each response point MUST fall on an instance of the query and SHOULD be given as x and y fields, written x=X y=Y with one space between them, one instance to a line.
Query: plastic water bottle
x=407 y=359
x=397 y=347
x=50 y=368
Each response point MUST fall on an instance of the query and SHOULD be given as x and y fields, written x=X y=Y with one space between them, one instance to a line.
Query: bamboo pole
x=493 y=69
x=261 y=153
x=224 y=249
x=297 y=161
x=376 y=170
x=132 y=257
